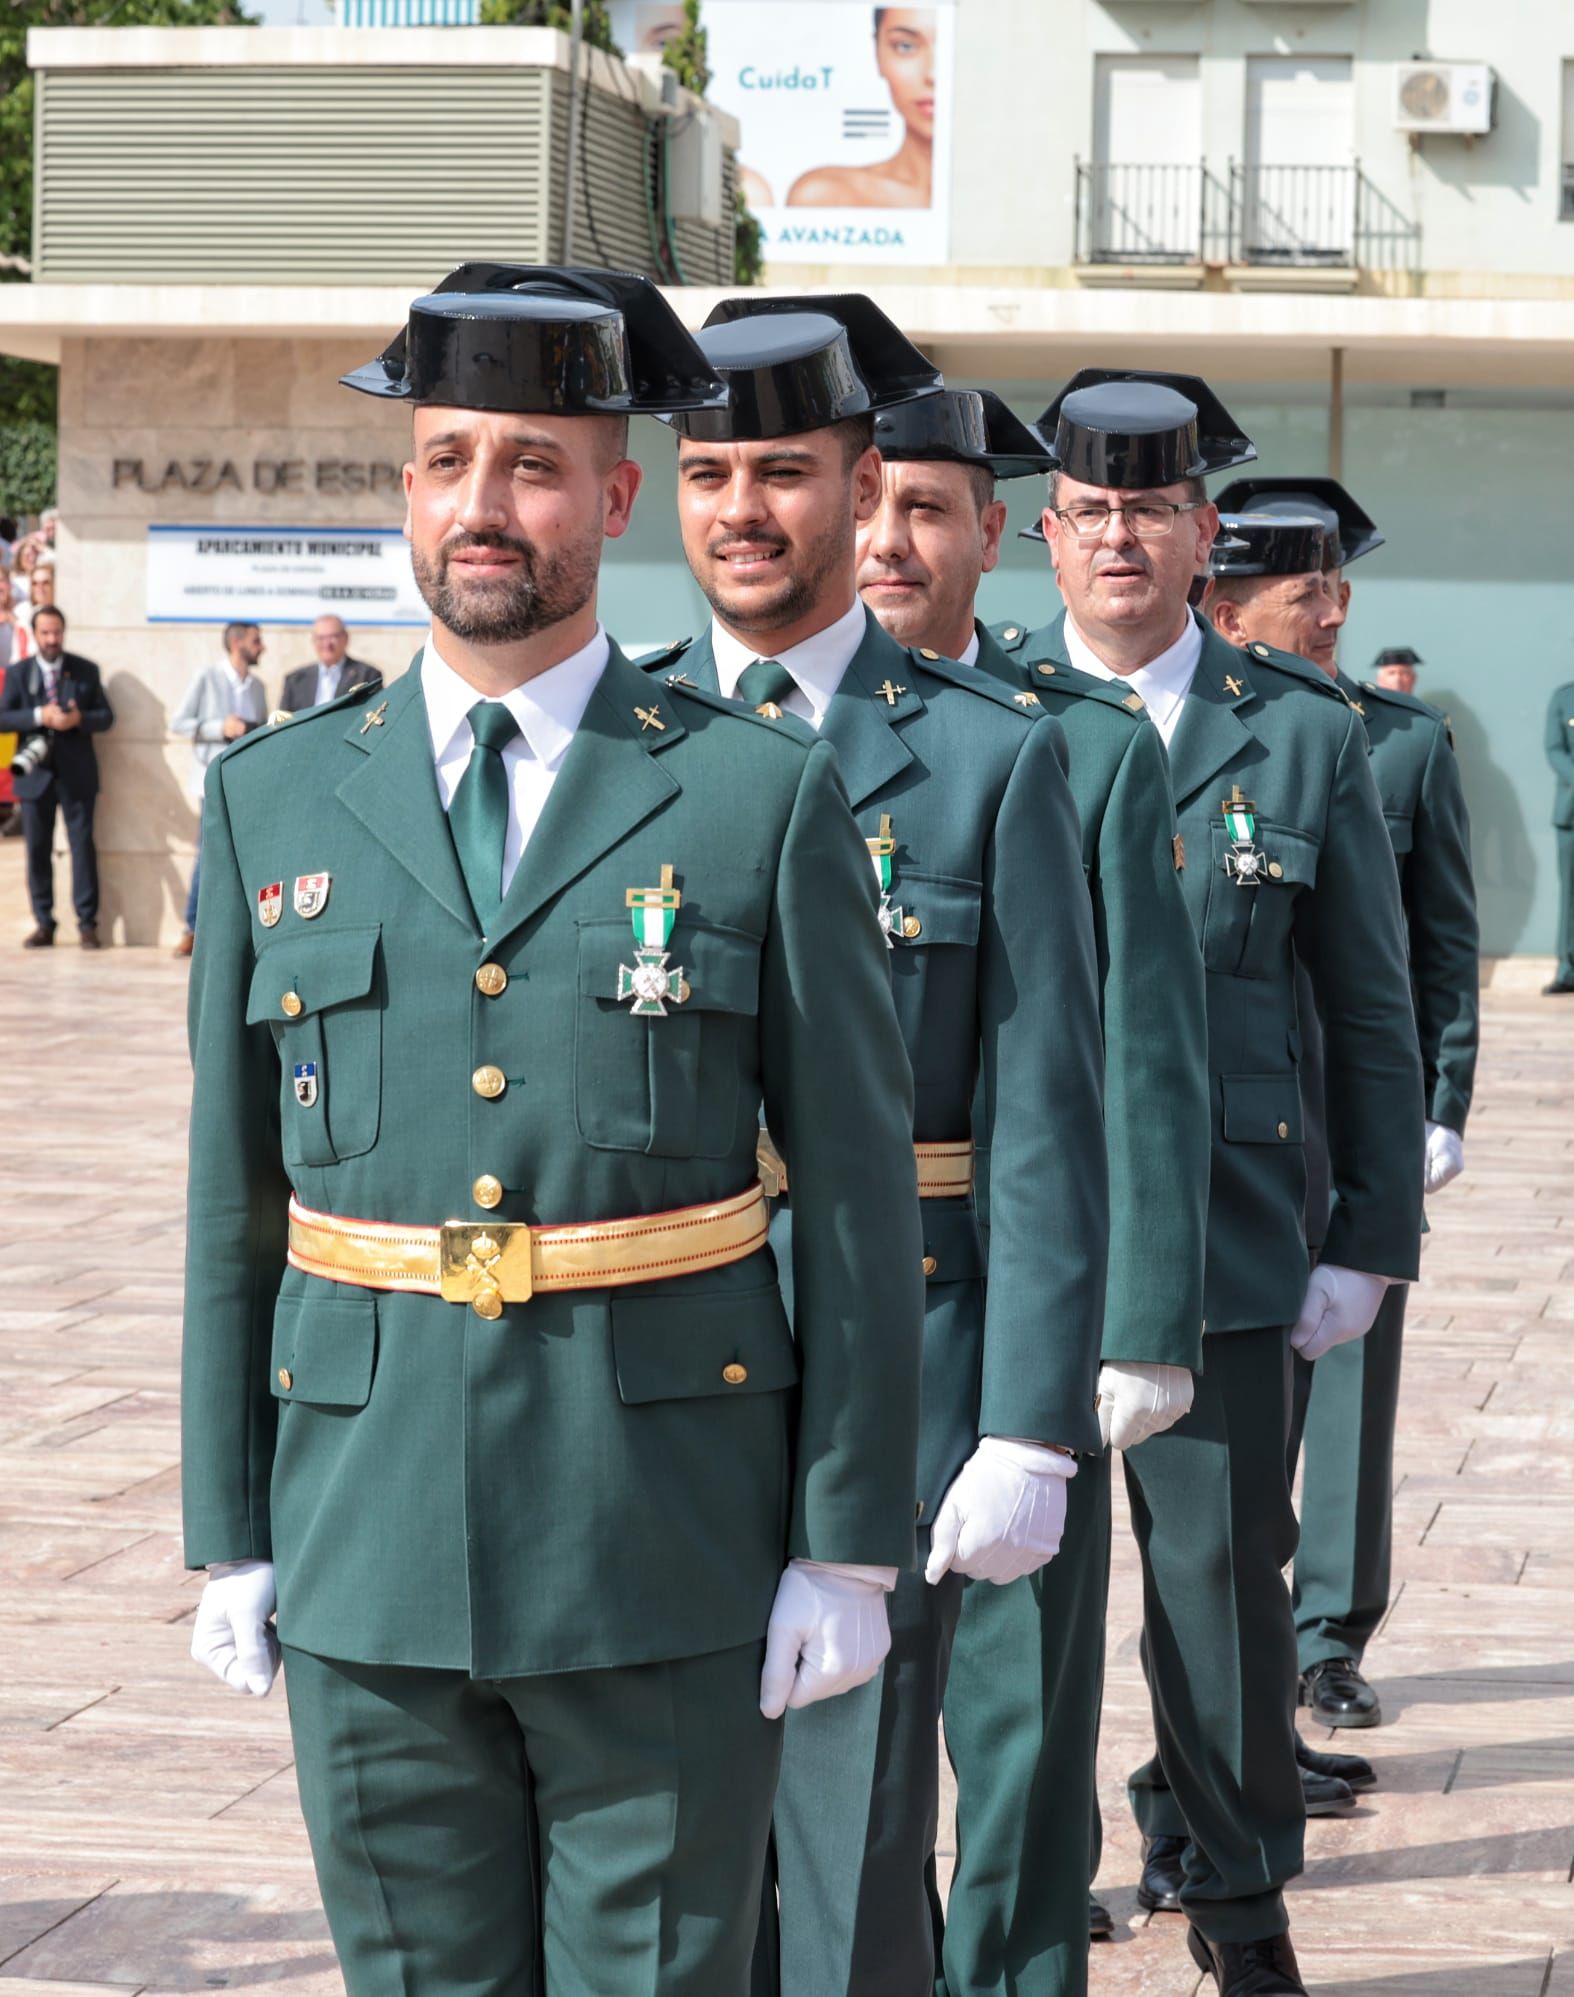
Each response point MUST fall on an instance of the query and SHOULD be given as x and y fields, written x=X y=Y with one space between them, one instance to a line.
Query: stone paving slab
x=149 y=1839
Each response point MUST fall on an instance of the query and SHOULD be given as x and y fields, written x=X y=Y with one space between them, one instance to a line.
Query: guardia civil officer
x=960 y=789
x=1560 y=754
x=1285 y=586
x=1022 y=1698
x=1281 y=822
x=486 y=1365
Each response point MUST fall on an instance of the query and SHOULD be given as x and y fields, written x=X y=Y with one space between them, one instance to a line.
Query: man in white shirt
x=223 y=702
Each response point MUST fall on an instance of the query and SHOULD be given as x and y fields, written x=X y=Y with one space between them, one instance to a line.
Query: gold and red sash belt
x=945 y=1171
x=489 y=1263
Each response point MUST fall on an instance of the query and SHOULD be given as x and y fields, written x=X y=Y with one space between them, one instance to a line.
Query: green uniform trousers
x=857 y=1813
x=1342 y=1425
x=1210 y=1506
x=1021 y=1721
x=1565 y=902
x=577 y=1834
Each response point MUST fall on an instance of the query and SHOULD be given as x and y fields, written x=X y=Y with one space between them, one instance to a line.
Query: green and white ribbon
x=653 y=918
x=1239 y=823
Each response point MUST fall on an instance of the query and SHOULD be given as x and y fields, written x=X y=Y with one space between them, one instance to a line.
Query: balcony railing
x=1287 y=217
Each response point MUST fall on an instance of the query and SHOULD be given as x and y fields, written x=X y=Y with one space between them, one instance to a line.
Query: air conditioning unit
x=1443 y=97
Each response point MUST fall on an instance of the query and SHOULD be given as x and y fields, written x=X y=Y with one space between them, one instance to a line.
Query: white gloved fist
x=1004 y=1513
x=233 y=1636
x=1445 y=1156
x=828 y=1633
x=1138 y=1398
x=1340 y=1304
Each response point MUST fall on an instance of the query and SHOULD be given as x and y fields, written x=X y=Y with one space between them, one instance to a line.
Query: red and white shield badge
x=270 y=903
x=311 y=894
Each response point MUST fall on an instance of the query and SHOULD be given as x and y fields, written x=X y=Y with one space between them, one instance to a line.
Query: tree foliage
x=27 y=467
x=596 y=26
x=687 y=55
x=748 y=241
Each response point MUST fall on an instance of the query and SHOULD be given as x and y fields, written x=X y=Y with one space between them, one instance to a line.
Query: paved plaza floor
x=149 y=1839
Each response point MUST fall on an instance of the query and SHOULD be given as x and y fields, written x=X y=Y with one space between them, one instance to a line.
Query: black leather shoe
x=1325 y=1795
x=1249 y=1969
x=1101 y=1922
x=1339 y=1696
x=89 y=937
x=41 y=939
x=1353 y=1769
x=1163 y=1875
x=1558 y=988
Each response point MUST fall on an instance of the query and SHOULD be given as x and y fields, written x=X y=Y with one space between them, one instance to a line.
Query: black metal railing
x=1294 y=215
x=1140 y=214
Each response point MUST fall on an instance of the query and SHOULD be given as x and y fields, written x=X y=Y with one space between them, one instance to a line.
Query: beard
x=541 y=592
x=790 y=596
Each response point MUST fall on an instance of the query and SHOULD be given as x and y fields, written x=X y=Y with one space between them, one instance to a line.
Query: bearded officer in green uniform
x=1284 y=586
x=1022 y=1700
x=1280 y=819
x=959 y=786
x=532 y=945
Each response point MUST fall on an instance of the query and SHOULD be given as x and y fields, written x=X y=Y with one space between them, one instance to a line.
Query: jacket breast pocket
x=937 y=940
x=1246 y=928
x=321 y=994
x=667 y=1085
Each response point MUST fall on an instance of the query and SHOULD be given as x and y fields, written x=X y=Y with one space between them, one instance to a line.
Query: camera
x=32 y=753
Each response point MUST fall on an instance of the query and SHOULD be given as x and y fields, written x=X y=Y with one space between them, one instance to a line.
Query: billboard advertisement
x=845 y=110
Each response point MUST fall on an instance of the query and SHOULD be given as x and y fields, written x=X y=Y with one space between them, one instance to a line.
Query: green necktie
x=766 y=685
x=478 y=815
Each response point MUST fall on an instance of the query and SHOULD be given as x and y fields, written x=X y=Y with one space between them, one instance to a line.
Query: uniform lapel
x=1214 y=725
x=696 y=663
x=861 y=719
x=610 y=782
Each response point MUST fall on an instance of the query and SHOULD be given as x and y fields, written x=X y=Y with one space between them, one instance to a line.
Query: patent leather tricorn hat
x=964 y=426
x=544 y=339
x=1272 y=544
x=1352 y=532
x=1134 y=428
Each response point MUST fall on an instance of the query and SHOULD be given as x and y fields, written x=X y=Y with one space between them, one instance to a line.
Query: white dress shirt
x=329 y=681
x=970 y=651
x=548 y=708
x=1163 y=682
x=817 y=664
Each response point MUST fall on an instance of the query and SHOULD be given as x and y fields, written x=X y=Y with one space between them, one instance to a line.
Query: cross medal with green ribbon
x=1244 y=863
x=652 y=982
x=881 y=851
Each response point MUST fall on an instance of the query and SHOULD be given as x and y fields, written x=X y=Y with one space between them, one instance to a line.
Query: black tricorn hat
x=797 y=363
x=966 y=426
x=1352 y=532
x=1273 y=544
x=1397 y=655
x=544 y=339
x=1131 y=428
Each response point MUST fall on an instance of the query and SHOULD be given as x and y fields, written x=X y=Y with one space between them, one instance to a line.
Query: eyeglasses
x=1149 y=519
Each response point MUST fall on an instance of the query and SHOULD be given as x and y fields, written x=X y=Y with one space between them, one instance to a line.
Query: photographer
x=54 y=702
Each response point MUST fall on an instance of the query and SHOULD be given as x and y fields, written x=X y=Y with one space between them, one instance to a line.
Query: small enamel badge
x=306 y=1083
x=651 y=984
x=270 y=903
x=311 y=894
x=881 y=852
x=1245 y=863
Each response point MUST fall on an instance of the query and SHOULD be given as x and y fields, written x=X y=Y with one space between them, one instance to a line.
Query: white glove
x=1138 y=1398
x=828 y=1633
x=1445 y=1156
x=233 y=1636
x=1004 y=1513
x=1340 y=1304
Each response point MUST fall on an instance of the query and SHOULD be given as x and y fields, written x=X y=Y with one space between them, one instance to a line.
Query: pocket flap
x=1292 y=856
x=677 y=1347
x=946 y=909
x=951 y=1241
x=720 y=966
x=322 y=970
x=1261 y=1109
x=323 y=1349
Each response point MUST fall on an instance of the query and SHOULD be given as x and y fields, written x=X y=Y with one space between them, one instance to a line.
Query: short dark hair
x=1238 y=589
x=235 y=630
x=857 y=435
x=49 y=610
x=982 y=480
x=618 y=440
x=7 y=527
x=1196 y=491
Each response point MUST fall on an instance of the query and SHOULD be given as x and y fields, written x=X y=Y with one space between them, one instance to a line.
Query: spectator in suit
x=223 y=702
x=58 y=695
x=334 y=673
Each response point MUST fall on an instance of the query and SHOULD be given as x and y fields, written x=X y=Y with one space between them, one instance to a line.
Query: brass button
x=487 y=1191
x=488 y=1305
x=293 y=1005
x=930 y=1265
x=919 y=1511
x=491 y=980
x=286 y=1378
x=1284 y=1130
x=1276 y=870
x=1047 y=671
x=911 y=927
x=735 y=1375
x=925 y=653
x=1011 y=632
x=488 y=1082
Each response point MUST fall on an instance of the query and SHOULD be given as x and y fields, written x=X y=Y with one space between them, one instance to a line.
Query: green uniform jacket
x=1155 y=1054
x=1418 y=780
x=1284 y=734
x=575 y=1484
x=1560 y=754
x=998 y=979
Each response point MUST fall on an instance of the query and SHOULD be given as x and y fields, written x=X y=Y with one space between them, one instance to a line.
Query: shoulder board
x=653 y=661
x=1107 y=693
x=280 y=723
x=1011 y=636
x=788 y=725
x=1297 y=668
x=951 y=670
x=1395 y=698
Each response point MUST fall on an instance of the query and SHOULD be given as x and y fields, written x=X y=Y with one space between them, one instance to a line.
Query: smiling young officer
x=1022 y=1701
x=1286 y=587
x=959 y=786
x=534 y=945
x=1280 y=819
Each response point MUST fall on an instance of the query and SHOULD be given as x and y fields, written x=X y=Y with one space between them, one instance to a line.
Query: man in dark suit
x=334 y=673
x=60 y=696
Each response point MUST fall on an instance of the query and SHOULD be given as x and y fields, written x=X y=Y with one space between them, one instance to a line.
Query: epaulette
x=1009 y=637
x=1071 y=679
x=1407 y=700
x=664 y=655
x=969 y=677
x=789 y=725
x=1297 y=668
x=280 y=723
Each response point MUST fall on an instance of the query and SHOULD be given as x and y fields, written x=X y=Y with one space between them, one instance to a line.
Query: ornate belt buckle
x=485 y=1264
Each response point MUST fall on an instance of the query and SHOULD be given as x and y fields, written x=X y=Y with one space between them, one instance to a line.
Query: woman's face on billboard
x=905 y=54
